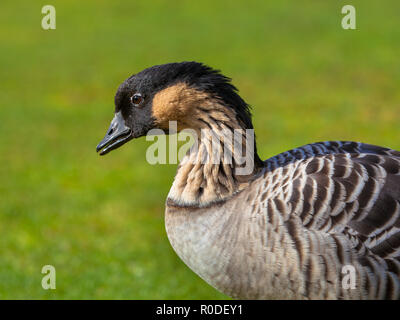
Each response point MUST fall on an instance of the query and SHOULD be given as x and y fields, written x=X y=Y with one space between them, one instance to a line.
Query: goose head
x=189 y=93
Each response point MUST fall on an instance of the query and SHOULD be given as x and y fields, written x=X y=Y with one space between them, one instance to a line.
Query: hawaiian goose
x=295 y=225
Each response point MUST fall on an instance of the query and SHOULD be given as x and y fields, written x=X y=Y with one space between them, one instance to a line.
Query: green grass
x=100 y=221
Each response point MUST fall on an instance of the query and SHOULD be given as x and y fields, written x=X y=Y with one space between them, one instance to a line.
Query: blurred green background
x=100 y=221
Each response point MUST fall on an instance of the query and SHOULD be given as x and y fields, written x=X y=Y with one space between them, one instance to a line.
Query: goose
x=321 y=221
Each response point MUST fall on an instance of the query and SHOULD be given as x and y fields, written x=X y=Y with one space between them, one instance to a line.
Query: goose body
x=309 y=213
x=320 y=221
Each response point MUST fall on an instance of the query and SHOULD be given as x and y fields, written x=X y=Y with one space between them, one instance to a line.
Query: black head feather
x=194 y=74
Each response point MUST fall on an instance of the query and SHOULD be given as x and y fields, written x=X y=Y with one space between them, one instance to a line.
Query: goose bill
x=117 y=135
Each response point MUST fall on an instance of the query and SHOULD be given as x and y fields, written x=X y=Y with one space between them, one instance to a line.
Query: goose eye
x=136 y=99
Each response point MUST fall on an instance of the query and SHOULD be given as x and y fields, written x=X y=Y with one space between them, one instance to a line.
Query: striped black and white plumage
x=293 y=226
x=350 y=192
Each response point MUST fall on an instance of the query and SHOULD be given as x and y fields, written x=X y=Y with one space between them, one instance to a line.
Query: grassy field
x=100 y=221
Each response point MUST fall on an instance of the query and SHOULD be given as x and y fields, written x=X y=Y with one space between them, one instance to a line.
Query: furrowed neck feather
x=223 y=159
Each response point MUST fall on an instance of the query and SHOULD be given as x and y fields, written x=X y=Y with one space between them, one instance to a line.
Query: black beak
x=116 y=136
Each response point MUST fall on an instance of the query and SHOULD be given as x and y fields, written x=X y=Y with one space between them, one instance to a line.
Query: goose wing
x=345 y=188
